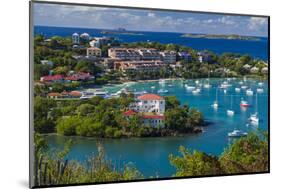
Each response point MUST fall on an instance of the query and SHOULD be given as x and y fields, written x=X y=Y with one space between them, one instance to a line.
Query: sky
x=147 y=20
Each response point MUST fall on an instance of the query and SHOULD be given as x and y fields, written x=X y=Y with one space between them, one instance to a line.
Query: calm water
x=150 y=155
x=257 y=49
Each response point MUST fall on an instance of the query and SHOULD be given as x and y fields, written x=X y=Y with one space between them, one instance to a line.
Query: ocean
x=257 y=49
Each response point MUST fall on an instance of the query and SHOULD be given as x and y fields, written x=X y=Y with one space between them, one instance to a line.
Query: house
x=47 y=62
x=169 y=57
x=52 y=78
x=81 y=76
x=99 y=41
x=93 y=51
x=185 y=56
x=138 y=66
x=53 y=95
x=247 y=67
x=84 y=37
x=264 y=70
x=254 y=70
x=149 y=103
x=204 y=57
x=153 y=120
x=151 y=109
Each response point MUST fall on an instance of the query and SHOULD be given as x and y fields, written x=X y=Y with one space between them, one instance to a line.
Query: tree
x=195 y=164
x=171 y=102
x=67 y=126
x=249 y=154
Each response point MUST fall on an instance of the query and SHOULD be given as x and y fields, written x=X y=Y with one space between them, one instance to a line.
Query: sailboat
x=216 y=104
x=207 y=85
x=254 y=117
x=230 y=112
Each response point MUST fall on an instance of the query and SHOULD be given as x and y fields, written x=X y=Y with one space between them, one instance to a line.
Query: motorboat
x=162 y=91
x=259 y=90
x=230 y=112
x=249 y=92
x=237 y=90
x=244 y=103
x=237 y=133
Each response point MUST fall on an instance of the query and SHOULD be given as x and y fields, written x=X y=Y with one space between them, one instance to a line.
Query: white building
x=75 y=38
x=93 y=51
x=254 y=70
x=149 y=103
x=85 y=37
x=264 y=70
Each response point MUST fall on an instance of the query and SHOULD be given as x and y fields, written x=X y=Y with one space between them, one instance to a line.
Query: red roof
x=150 y=97
x=75 y=93
x=153 y=117
x=129 y=113
x=52 y=77
x=54 y=94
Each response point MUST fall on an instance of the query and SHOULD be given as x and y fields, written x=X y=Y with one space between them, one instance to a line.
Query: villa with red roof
x=151 y=107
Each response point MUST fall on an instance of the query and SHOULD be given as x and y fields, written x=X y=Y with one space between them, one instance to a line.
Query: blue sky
x=147 y=20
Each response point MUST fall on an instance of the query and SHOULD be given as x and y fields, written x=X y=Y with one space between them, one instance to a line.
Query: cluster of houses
x=254 y=69
x=80 y=76
x=150 y=107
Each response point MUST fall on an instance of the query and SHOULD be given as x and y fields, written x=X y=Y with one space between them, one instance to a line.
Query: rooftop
x=150 y=97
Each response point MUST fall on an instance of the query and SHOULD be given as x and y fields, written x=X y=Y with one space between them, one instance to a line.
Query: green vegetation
x=246 y=155
x=98 y=117
x=55 y=169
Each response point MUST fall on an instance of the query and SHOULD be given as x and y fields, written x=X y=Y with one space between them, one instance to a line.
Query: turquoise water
x=150 y=155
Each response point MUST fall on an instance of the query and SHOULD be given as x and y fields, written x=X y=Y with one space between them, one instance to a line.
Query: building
x=149 y=103
x=169 y=57
x=93 y=51
x=204 y=57
x=185 y=56
x=254 y=70
x=264 y=70
x=99 y=41
x=75 y=38
x=148 y=54
x=52 y=78
x=47 y=62
x=81 y=76
x=247 y=67
x=85 y=37
x=153 y=120
x=151 y=109
x=124 y=54
x=137 y=66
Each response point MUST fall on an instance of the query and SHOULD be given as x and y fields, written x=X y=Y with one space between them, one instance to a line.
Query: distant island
x=221 y=36
x=119 y=31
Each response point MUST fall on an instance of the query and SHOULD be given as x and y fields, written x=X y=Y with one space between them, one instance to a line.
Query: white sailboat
x=249 y=92
x=230 y=112
x=207 y=85
x=216 y=104
x=254 y=118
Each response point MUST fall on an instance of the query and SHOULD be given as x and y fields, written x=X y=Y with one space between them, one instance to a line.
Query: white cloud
x=256 y=23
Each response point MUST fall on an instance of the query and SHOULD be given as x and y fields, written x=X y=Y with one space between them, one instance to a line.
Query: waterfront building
x=136 y=66
x=93 y=51
x=204 y=57
x=247 y=67
x=149 y=103
x=151 y=109
x=169 y=57
x=75 y=38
